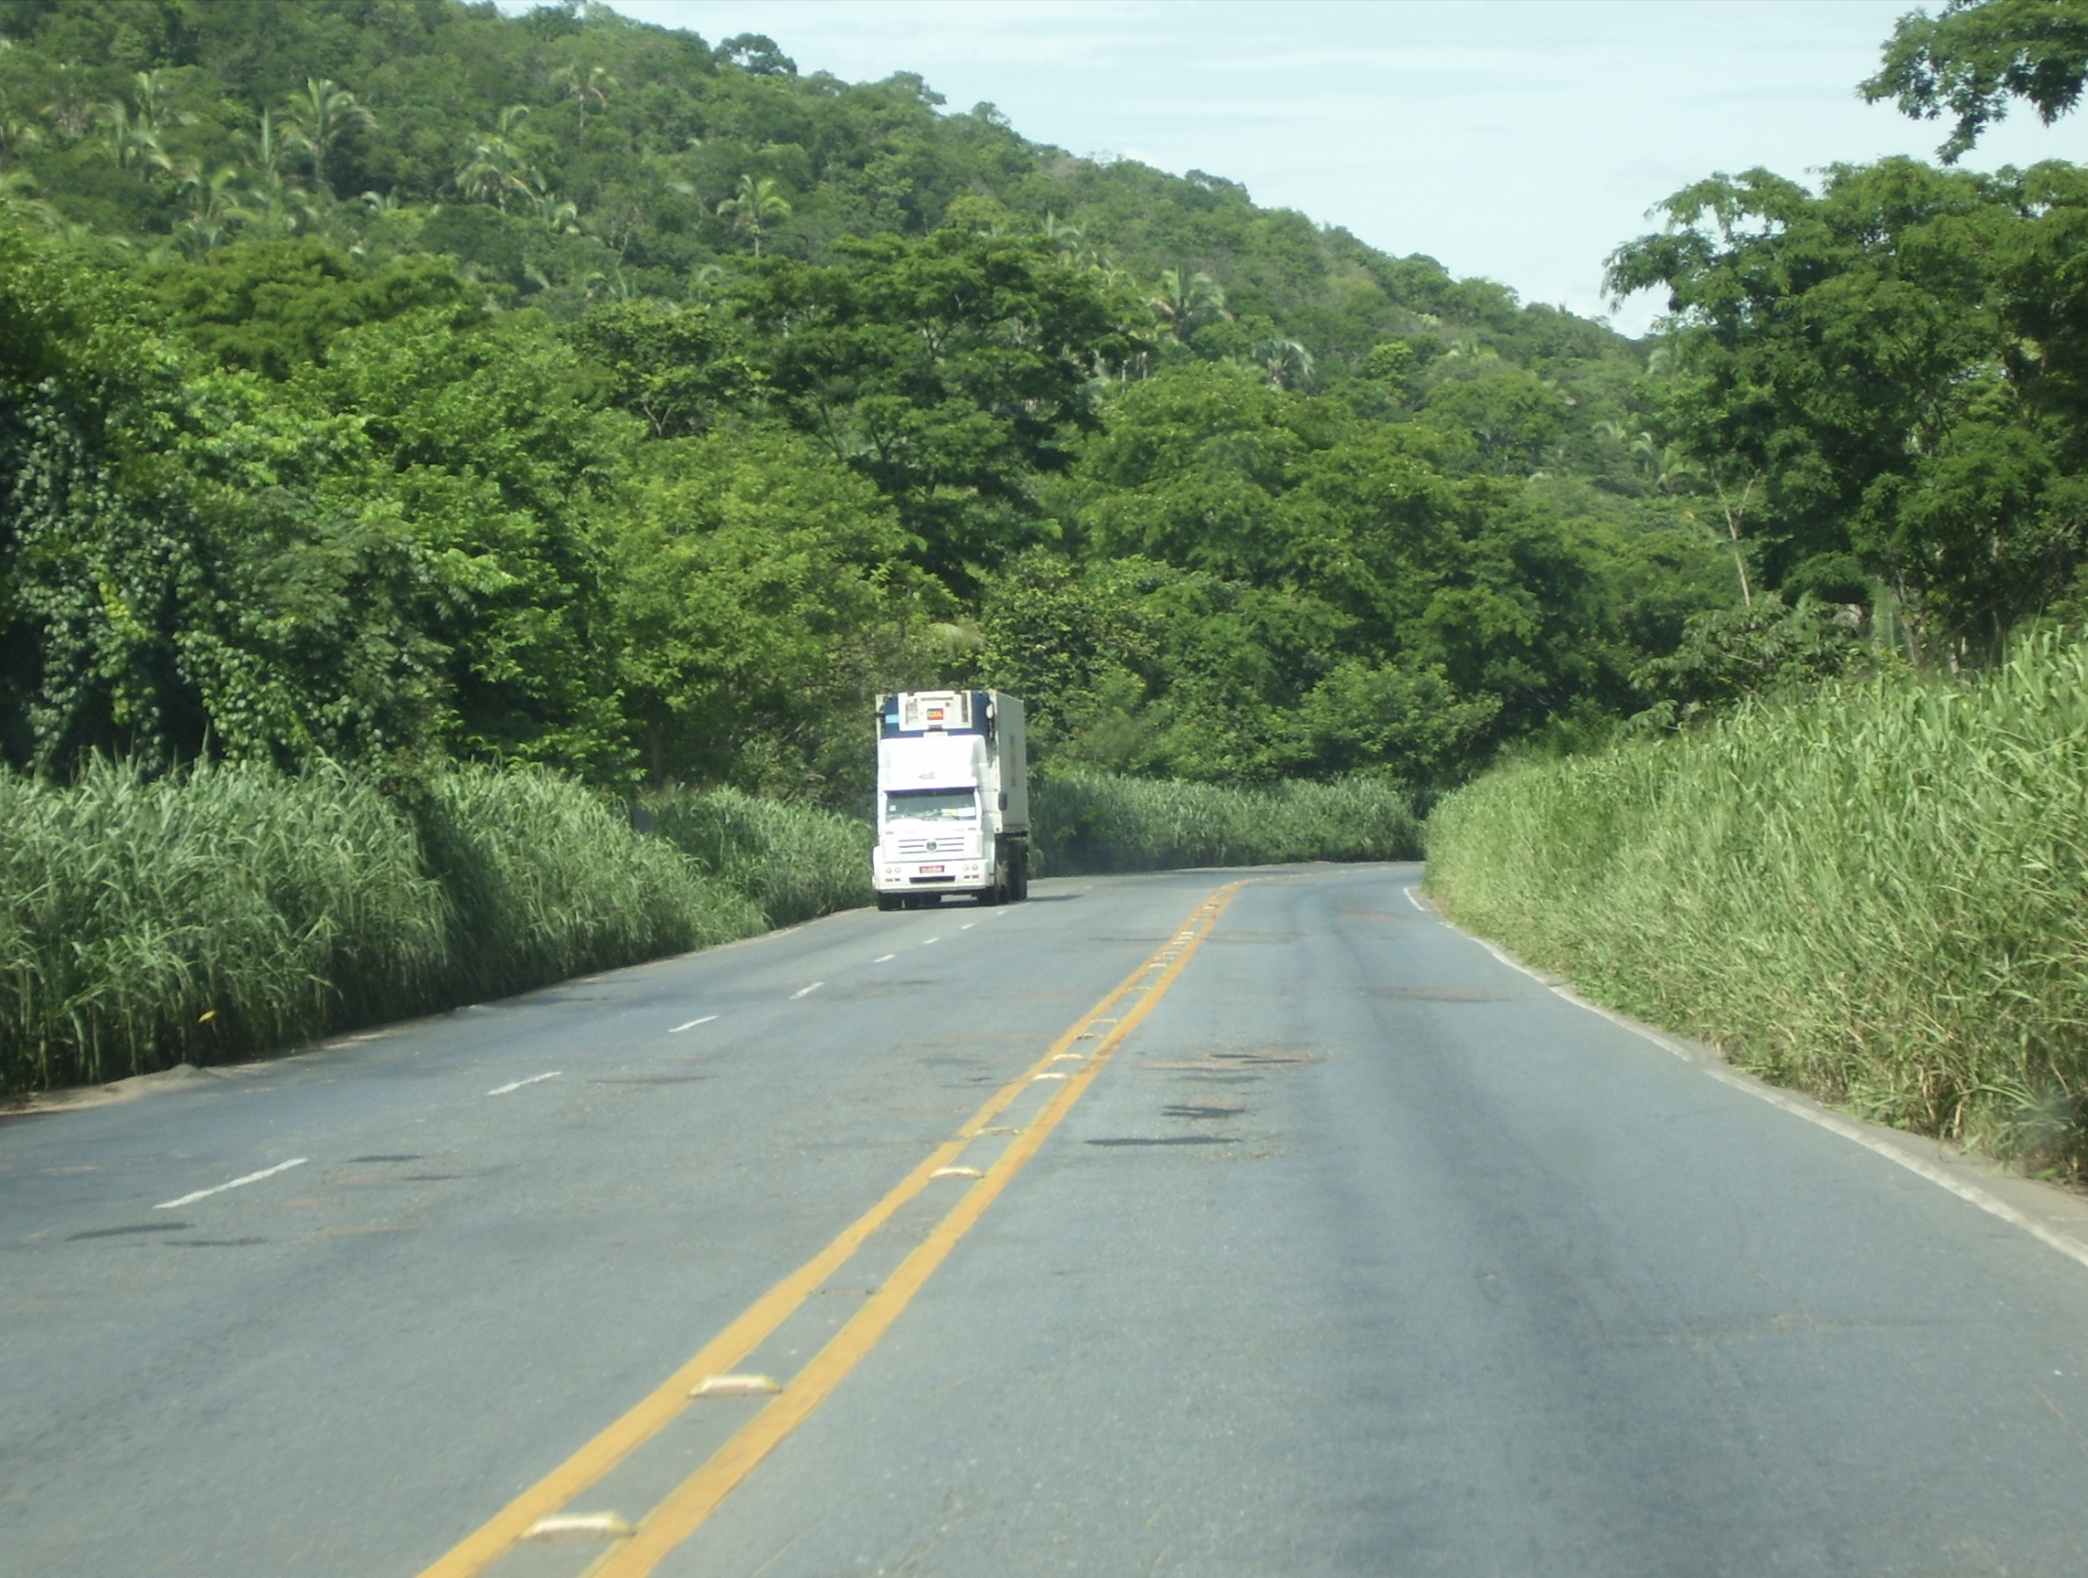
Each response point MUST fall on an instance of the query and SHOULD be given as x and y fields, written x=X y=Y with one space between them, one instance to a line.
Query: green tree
x=677 y=367
x=1888 y=364
x=763 y=598
x=1975 y=56
x=1513 y=417
x=486 y=444
x=273 y=307
x=951 y=371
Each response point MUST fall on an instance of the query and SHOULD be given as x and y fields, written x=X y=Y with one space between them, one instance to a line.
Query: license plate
x=929 y=871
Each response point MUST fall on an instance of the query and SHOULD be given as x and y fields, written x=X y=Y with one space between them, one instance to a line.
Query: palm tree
x=15 y=187
x=494 y=165
x=272 y=202
x=753 y=205
x=1669 y=470
x=17 y=136
x=1287 y=363
x=129 y=140
x=318 y=116
x=211 y=197
x=556 y=213
x=1182 y=300
x=1113 y=275
x=1070 y=240
x=155 y=102
x=581 y=87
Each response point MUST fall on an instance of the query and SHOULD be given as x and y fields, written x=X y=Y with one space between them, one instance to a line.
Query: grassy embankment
x=231 y=911
x=1879 y=895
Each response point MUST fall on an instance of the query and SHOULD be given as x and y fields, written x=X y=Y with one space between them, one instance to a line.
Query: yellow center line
x=690 y=1504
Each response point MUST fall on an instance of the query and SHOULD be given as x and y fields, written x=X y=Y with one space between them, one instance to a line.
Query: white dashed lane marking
x=692 y=1024
x=266 y=1172
x=502 y=1090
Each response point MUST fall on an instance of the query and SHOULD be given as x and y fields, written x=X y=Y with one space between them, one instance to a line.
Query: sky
x=1521 y=140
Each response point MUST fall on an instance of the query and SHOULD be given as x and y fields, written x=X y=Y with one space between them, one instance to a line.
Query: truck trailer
x=952 y=798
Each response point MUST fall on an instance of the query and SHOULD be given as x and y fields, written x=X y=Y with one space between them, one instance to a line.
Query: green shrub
x=792 y=862
x=1880 y=895
x=1090 y=822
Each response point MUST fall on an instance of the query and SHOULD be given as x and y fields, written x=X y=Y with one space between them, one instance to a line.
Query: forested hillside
x=396 y=381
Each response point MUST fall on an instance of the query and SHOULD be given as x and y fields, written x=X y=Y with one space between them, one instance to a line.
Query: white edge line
x=502 y=1090
x=1414 y=899
x=806 y=991
x=266 y=1172
x=692 y=1024
x=884 y=958
x=1800 y=1107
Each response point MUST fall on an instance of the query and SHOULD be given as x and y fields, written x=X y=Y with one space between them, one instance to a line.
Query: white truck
x=952 y=798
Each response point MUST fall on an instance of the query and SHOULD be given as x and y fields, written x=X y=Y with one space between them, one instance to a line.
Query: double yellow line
x=684 y=1510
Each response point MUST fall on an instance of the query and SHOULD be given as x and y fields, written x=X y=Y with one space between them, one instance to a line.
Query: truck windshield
x=933 y=805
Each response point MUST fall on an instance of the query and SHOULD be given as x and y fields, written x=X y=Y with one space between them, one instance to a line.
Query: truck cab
x=952 y=798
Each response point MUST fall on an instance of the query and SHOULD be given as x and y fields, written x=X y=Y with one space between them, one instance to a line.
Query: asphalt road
x=1326 y=1243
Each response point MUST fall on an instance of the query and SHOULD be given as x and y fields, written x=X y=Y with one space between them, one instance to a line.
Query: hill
x=424 y=382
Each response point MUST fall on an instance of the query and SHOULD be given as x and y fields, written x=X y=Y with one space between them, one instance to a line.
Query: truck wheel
x=889 y=901
x=1018 y=872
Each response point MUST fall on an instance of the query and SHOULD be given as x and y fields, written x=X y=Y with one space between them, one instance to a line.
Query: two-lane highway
x=1243 y=1223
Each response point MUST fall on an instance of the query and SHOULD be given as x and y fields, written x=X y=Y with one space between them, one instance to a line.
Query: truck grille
x=953 y=847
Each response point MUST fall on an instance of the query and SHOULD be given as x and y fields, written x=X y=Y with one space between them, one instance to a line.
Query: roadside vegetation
x=1088 y=822
x=791 y=862
x=1878 y=893
x=231 y=911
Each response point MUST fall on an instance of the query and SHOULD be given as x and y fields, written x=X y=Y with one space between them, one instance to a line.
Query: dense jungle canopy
x=396 y=380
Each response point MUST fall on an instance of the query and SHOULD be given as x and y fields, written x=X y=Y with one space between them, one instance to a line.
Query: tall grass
x=546 y=881
x=231 y=911
x=1089 y=822
x=792 y=862
x=1880 y=895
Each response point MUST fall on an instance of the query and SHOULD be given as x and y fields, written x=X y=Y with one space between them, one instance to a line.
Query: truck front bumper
x=963 y=876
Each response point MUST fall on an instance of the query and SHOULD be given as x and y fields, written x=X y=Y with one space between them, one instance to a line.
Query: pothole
x=1238 y=1062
